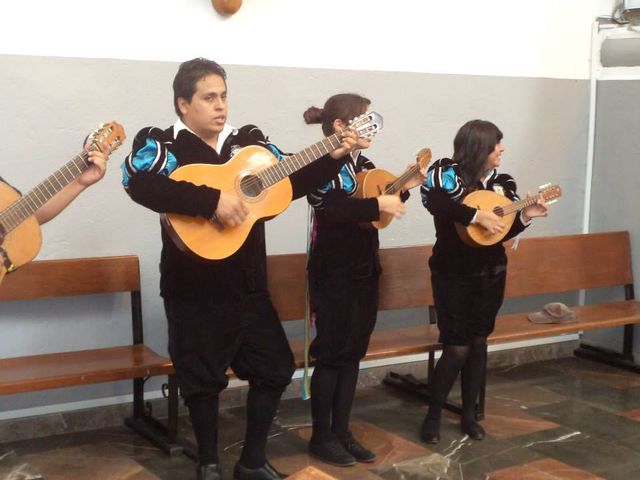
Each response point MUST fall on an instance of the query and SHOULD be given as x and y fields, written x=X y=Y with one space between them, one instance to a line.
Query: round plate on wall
x=226 y=7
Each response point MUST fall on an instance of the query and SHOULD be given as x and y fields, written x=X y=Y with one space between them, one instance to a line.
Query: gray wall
x=50 y=104
x=616 y=174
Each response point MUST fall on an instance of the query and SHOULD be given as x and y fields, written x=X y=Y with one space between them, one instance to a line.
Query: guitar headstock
x=423 y=157
x=367 y=124
x=549 y=193
x=107 y=137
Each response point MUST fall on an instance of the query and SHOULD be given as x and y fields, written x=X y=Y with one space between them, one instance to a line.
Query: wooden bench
x=539 y=266
x=91 y=276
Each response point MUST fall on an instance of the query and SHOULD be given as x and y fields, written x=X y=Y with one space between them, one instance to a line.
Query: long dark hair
x=189 y=74
x=343 y=106
x=474 y=142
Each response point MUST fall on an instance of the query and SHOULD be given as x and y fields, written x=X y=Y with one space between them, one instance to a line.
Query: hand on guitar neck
x=232 y=211
x=538 y=209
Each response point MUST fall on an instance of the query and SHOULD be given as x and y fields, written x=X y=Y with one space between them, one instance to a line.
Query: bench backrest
x=70 y=277
x=539 y=265
x=405 y=281
x=79 y=276
x=569 y=263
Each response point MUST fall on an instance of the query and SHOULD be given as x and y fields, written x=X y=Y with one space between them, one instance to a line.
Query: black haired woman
x=468 y=282
x=343 y=282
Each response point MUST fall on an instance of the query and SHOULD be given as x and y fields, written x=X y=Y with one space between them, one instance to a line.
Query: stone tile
x=546 y=469
x=502 y=421
x=14 y=467
x=599 y=373
x=592 y=454
x=590 y=420
x=631 y=414
x=80 y=463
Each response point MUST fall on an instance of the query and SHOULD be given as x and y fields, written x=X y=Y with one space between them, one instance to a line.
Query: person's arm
x=64 y=197
x=340 y=208
x=326 y=167
x=146 y=179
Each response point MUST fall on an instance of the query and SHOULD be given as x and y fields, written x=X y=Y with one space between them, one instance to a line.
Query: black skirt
x=467 y=305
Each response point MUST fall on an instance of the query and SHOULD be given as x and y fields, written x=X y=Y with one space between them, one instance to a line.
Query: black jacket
x=184 y=276
x=442 y=194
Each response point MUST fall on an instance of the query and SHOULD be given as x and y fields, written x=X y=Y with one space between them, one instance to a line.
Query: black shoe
x=210 y=471
x=430 y=431
x=265 y=472
x=332 y=452
x=473 y=429
x=361 y=454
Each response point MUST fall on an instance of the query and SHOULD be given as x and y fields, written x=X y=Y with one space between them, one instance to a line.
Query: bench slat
x=54 y=370
x=514 y=327
x=80 y=276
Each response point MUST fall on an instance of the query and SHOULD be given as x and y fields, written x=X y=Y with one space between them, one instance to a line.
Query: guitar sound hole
x=251 y=186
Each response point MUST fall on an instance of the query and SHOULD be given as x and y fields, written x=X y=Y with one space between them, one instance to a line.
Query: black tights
x=262 y=404
x=471 y=360
x=332 y=392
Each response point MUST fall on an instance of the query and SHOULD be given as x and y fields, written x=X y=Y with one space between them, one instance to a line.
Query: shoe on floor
x=210 y=471
x=361 y=454
x=331 y=451
x=265 y=472
x=473 y=429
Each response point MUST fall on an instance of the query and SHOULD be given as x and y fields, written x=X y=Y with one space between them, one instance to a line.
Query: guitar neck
x=400 y=182
x=517 y=206
x=27 y=205
x=288 y=165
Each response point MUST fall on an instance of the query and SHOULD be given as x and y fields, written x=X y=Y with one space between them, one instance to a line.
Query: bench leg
x=622 y=360
x=161 y=435
x=410 y=384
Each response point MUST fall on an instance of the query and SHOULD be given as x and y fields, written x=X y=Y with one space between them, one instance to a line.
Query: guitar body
x=208 y=240
x=22 y=244
x=476 y=236
x=372 y=184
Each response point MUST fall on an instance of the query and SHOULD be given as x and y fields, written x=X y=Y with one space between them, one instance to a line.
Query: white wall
x=47 y=105
x=541 y=38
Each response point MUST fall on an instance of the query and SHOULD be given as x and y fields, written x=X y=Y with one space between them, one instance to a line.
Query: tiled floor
x=563 y=419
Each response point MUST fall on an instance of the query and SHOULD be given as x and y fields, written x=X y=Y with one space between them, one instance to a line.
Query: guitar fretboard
x=27 y=205
x=517 y=206
x=288 y=165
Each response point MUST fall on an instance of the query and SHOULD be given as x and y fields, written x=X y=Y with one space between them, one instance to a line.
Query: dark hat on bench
x=554 y=312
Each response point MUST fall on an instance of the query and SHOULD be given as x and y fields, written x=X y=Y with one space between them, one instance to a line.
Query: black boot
x=265 y=472
x=211 y=471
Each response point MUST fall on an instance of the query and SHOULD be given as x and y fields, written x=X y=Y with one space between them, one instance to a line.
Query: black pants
x=205 y=339
x=346 y=312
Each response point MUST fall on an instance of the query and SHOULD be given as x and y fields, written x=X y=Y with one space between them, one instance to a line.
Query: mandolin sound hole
x=251 y=186
x=499 y=211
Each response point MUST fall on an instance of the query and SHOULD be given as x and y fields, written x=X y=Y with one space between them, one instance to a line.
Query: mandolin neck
x=516 y=206
x=401 y=181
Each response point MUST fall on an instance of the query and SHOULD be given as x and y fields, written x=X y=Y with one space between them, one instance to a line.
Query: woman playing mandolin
x=468 y=282
x=343 y=282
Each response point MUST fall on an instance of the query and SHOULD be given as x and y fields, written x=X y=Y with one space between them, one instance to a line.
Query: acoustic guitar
x=260 y=180
x=477 y=236
x=377 y=181
x=20 y=237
